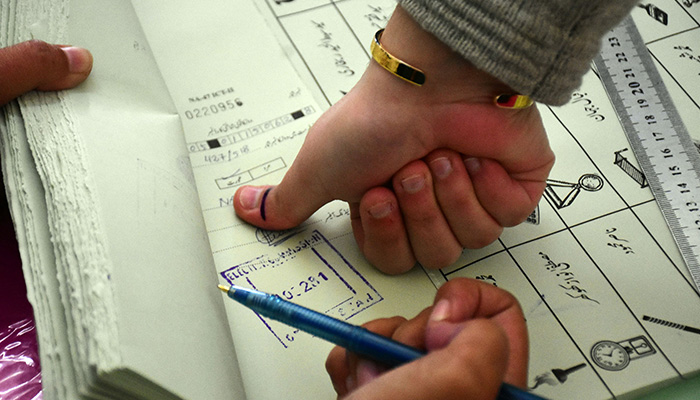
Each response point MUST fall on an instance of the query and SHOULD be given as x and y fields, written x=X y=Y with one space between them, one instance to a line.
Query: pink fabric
x=20 y=372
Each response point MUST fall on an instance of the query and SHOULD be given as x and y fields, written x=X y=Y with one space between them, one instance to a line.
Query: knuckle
x=45 y=60
x=440 y=260
x=516 y=217
x=45 y=53
x=482 y=239
x=393 y=266
x=423 y=216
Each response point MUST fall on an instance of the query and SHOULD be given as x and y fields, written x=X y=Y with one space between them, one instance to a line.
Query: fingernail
x=441 y=311
x=380 y=210
x=473 y=164
x=79 y=59
x=413 y=184
x=250 y=197
x=441 y=167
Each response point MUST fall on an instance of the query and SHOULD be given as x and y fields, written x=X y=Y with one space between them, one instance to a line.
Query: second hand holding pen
x=351 y=337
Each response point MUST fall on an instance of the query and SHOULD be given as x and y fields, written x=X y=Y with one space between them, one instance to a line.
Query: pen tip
x=224 y=288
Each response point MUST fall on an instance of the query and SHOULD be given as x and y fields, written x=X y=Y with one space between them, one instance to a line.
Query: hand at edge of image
x=37 y=65
x=476 y=339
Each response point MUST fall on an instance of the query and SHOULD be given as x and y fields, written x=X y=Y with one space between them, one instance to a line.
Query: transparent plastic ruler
x=664 y=150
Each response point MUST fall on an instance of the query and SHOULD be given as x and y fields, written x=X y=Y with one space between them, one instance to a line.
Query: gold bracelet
x=416 y=77
x=394 y=65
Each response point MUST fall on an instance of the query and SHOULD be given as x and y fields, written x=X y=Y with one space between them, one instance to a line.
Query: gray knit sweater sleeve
x=538 y=47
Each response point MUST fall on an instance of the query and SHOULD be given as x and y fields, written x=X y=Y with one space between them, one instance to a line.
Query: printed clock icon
x=610 y=355
x=615 y=356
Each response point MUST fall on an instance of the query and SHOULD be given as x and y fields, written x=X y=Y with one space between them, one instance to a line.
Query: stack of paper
x=114 y=251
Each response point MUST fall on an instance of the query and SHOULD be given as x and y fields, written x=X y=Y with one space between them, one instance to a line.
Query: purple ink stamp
x=310 y=271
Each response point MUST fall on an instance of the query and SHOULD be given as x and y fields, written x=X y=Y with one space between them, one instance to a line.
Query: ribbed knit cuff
x=540 y=48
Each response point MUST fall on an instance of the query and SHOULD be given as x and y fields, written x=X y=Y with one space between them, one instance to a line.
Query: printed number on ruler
x=656 y=134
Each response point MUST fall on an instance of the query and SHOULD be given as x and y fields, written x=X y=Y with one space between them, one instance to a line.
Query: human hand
x=38 y=65
x=388 y=132
x=476 y=339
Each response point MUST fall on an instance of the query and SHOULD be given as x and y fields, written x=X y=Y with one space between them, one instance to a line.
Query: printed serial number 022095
x=205 y=111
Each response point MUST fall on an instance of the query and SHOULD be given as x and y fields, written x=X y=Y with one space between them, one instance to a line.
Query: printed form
x=605 y=292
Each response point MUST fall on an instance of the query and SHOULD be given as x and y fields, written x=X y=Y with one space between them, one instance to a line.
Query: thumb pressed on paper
x=274 y=207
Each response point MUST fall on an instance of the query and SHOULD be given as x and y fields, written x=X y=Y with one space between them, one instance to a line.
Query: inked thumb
x=277 y=207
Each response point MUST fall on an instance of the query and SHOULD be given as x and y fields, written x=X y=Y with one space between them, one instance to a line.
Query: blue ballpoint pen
x=351 y=337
